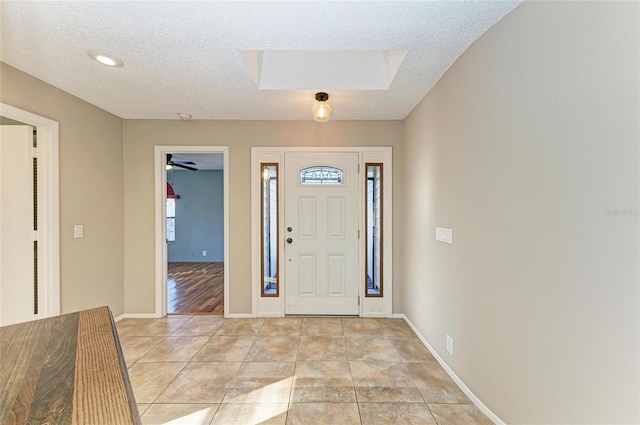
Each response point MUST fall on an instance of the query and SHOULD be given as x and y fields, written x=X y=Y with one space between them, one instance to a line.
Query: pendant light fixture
x=322 y=110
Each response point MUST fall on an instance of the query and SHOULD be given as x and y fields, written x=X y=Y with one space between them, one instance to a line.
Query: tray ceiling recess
x=323 y=69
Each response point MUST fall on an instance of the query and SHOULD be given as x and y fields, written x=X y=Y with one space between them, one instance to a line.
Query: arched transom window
x=321 y=174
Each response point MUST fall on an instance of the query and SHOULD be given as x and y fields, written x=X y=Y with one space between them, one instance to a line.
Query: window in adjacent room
x=171 y=220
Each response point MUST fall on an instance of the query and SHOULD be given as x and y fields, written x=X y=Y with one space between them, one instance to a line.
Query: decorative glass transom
x=321 y=174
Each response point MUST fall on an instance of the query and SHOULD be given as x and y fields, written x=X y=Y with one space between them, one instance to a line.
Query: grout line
x=169 y=383
x=293 y=378
x=216 y=412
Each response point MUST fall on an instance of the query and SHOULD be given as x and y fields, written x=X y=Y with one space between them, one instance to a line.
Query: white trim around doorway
x=48 y=205
x=160 y=153
x=275 y=306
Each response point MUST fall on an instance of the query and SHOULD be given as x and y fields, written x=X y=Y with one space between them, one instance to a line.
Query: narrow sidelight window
x=269 y=229
x=373 y=217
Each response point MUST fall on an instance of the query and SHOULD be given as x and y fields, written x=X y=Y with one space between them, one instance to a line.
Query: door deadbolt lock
x=289 y=229
x=289 y=240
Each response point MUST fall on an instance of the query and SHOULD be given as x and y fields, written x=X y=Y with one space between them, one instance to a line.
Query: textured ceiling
x=187 y=57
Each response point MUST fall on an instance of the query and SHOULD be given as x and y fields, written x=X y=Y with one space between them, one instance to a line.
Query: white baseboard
x=375 y=315
x=155 y=316
x=239 y=316
x=474 y=399
x=137 y=316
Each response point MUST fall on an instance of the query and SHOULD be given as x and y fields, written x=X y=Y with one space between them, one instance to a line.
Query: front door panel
x=321 y=250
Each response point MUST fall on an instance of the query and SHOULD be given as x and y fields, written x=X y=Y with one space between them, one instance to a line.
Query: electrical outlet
x=450 y=345
x=204 y=253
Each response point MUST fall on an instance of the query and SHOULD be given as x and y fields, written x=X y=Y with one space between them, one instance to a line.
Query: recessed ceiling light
x=105 y=59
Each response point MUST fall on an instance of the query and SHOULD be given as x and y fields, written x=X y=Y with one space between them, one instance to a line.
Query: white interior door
x=16 y=224
x=321 y=233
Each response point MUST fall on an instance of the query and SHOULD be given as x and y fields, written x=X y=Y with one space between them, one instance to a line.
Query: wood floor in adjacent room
x=195 y=288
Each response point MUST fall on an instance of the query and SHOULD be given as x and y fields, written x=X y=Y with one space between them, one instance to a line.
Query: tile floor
x=208 y=370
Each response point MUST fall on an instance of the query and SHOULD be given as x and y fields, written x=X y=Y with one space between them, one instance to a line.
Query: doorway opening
x=30 y=252
x=192 y=265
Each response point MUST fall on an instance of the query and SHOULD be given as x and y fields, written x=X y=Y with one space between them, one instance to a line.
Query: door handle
x=289 y=240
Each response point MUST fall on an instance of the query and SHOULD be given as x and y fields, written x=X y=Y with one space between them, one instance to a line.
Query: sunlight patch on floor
x=276 y=392
x=200 y=417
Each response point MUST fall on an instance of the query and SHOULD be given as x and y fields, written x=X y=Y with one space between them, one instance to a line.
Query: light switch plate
x=78 y=231
x=444 y=235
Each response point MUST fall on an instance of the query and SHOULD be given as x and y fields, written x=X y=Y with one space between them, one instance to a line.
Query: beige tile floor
x=204 y=370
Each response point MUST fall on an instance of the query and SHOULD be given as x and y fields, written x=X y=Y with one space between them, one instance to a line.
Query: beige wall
x=523 y=148
x=91 y=190
x=140 y=137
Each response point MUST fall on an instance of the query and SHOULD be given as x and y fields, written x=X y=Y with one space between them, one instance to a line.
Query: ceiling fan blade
x=169 y=156
x=184 y=162
x=184 y=166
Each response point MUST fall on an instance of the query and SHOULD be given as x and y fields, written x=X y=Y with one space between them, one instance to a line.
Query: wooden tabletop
x=66 y=369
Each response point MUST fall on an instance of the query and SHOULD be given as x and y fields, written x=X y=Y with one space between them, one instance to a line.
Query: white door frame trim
x=369 y=306
x=160 y=152
x=48 y=204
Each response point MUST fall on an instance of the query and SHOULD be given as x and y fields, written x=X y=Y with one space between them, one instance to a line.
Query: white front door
x=17 y=293
x=321 y=233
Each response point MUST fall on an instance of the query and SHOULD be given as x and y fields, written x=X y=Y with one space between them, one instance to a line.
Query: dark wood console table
x=66 y=369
